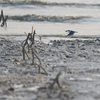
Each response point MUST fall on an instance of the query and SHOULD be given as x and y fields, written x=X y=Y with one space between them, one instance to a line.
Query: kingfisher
x=70 y=32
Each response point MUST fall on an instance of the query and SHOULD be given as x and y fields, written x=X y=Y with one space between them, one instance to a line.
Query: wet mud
x=77 y=60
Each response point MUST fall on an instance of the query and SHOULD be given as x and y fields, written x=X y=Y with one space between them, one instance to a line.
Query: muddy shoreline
x=77 y=59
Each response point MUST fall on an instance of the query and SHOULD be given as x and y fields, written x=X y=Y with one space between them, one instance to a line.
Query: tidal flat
x=78 y=61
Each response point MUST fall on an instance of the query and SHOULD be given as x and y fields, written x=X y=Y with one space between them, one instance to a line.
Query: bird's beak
x=66 y=30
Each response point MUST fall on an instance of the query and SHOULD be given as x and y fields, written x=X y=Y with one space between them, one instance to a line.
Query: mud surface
x=77 y=60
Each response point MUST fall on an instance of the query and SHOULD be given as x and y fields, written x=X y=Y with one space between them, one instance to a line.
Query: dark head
x=71 y=31
x=67 y=30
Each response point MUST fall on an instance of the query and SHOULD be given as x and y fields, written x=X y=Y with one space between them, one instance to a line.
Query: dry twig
x=3 y=19
x=40 y=64
x=56 y=80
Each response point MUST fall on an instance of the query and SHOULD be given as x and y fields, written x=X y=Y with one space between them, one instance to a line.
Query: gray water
x=51 y=17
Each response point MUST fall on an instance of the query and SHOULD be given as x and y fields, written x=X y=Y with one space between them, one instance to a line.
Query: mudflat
x=77 y=61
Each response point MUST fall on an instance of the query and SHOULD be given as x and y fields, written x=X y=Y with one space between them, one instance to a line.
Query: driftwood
x=56 y=80
x=54 y=92
x=40 y=64
x=30 y=37
x=32 y=42
x=25 y=43
x=1 y=16
x=4 y=23
x=3 y=19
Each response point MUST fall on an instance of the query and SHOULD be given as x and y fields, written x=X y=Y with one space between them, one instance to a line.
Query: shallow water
x=51 y=17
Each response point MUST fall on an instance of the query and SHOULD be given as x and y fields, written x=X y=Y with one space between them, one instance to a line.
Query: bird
x=71 y=32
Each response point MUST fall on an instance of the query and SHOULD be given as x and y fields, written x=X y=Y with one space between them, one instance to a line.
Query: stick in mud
x=33 y=36
x=27 y=54
x=40 y=64
x=56 y=80
x=50 y=89
x=32 y=40
x=30 y=37
x=23 y=50
x=1 y=16
x=3 y=19
x=4 y=23
x=24 y=43
x=32 y=57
